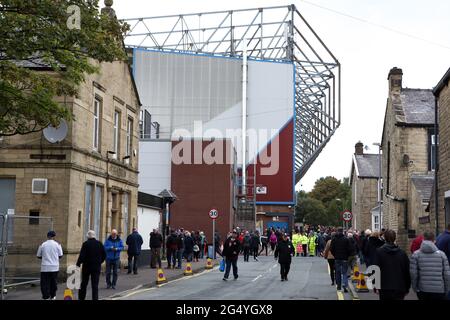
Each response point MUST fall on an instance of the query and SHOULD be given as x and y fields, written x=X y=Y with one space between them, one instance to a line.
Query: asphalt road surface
x=258 y=280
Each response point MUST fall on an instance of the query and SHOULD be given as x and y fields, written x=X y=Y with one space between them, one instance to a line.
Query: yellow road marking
x=161 y=285
x=340 y=295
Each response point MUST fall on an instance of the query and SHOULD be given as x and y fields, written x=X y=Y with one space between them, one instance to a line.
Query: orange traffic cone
x=188 y=270
x=68 y=294
x=160 y=278
x=208 y=263
x=355 y=274
x=361 y=286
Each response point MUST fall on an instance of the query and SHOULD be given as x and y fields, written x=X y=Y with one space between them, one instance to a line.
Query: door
x=7 y=202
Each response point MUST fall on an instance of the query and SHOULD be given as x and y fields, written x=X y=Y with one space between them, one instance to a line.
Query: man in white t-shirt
x=49 y=252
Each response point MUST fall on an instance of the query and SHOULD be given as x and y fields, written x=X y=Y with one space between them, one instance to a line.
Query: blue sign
x=278 y=224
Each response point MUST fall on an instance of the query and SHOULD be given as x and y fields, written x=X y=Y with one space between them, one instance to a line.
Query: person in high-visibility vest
x=295 y=242
x=304 y=242
x=312 y=244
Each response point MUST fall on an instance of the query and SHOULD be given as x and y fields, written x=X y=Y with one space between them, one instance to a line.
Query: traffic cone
x=361 y=286
x=68 y=294
x=160 y=278
x=208 y=263
x=355 y=275
x=188 y=270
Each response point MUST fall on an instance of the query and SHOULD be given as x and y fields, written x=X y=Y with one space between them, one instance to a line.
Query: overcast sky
x=366 y=52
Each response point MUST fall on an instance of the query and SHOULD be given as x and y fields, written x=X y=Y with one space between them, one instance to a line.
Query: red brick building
x=201 y=186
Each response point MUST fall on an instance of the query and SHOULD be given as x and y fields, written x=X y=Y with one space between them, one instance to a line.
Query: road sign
x=347 y=216
x=213 y=214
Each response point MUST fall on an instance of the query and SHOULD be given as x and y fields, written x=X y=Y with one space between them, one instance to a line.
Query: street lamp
x=342 y=205
x=379 y=183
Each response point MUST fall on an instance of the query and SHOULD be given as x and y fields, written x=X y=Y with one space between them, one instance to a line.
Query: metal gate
x=21 y=236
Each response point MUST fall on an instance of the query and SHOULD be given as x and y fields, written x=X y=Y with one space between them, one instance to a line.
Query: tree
x=36 y=33
x=326 y=189
x=311 y=211
x=324 y=203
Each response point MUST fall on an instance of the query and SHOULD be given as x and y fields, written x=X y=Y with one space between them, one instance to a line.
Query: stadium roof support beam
x=279 y=34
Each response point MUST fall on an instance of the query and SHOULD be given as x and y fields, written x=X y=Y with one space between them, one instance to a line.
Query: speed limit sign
x=347 y=216
x=213 y=214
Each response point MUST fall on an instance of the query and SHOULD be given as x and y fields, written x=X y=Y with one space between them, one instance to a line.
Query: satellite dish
x=56 y=134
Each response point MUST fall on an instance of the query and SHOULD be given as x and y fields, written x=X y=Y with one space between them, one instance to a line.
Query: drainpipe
x=436 y=169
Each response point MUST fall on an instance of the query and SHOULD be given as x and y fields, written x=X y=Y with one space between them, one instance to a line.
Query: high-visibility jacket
x=312 y=245
x=304 y=239
x=295 y=241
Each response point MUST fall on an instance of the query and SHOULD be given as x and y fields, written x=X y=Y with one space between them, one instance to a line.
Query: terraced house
x=442 y=94
x=364 y=178
x=408 y=160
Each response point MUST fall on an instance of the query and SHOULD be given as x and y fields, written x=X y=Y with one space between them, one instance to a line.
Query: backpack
x=273 y=238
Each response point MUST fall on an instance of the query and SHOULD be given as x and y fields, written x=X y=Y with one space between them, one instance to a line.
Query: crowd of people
x=426 y=271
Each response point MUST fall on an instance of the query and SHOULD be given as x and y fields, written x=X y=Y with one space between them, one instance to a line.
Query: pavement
x=258 y=280
x=145 y=278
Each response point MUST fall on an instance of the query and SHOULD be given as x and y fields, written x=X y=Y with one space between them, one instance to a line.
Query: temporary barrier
x=20 y=238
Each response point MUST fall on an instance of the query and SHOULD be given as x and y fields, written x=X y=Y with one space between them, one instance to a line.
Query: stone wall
x=444 y=156
x=365 y=192
x=77 y=164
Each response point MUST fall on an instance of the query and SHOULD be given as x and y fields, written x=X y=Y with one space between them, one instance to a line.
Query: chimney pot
x=359 y=148
x=395 y=78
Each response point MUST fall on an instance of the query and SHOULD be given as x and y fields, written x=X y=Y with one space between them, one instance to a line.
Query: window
x=116 y=133
x=141 y=124
x=432 y=144
x=34 y=217
x=376 y=222
x=97 y=208
x=129 y=136
x=87 y=208
x=93 y=208
x=97 y=117
x=114 y=210
x=125 y=214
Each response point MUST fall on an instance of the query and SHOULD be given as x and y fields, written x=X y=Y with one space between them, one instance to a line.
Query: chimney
x=359 y=148
x=108 y=10
x=395 y=80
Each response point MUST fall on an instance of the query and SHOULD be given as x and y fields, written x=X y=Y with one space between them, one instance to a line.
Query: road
x=258 y=280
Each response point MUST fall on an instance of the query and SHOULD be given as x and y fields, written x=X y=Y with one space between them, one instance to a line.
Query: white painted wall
x=148 y=219
x=155 y=159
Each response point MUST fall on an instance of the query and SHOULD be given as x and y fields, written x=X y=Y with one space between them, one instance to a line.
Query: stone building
x=407 y=160
x=363 y=180
x=89 y=180
x=442 y=94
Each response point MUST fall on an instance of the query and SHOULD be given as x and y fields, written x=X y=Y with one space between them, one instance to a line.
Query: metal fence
x=20 y=238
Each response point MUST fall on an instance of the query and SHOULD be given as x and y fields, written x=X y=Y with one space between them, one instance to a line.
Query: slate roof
x=367 y=165
x=167 y=194
x=444 y=81
x=424 y=185
x=417 y=107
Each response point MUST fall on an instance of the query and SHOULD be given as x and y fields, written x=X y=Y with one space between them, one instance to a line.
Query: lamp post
x=342 y=209
x=379 y=183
